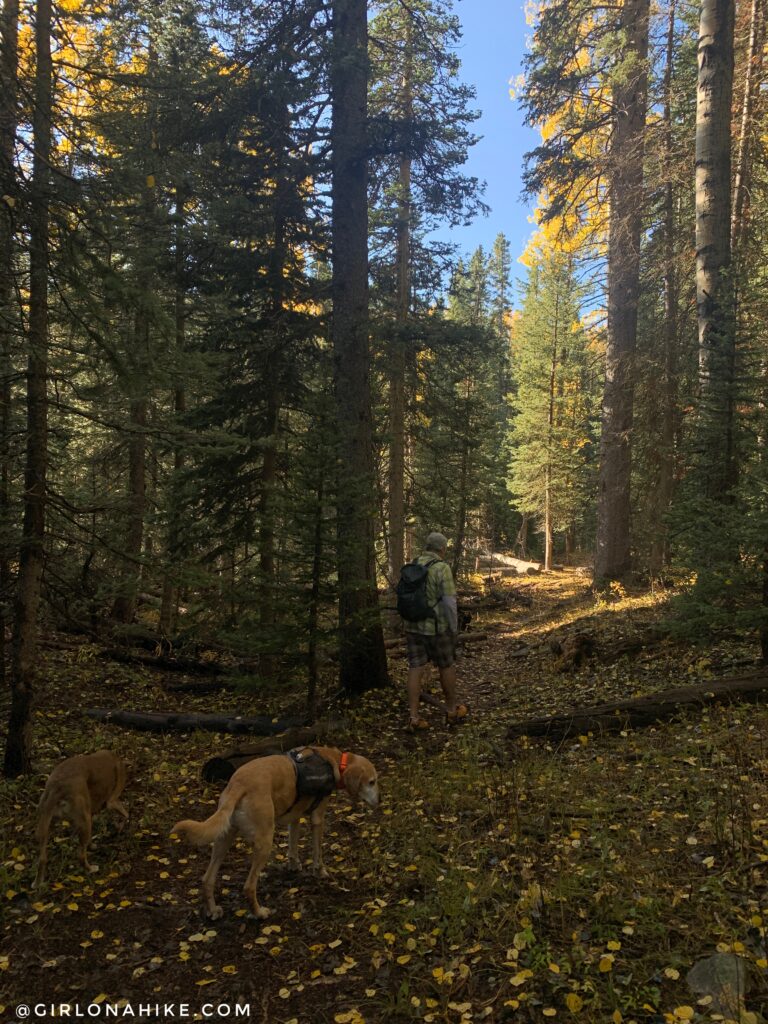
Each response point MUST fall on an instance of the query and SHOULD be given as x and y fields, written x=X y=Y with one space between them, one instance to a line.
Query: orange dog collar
x=342 y=768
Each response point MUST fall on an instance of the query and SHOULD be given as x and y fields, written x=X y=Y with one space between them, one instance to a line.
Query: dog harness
x=315 y=775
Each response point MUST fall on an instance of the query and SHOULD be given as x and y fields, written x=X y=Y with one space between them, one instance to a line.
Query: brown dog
x=77 y=789
x=266 y=792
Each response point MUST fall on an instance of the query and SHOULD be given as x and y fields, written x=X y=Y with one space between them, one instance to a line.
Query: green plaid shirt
x=439 y=584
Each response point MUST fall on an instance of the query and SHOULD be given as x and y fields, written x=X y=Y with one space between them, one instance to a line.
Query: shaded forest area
x=212 y=433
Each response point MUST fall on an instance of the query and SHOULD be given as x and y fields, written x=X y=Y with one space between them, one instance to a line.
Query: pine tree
x=613 y=558
x=553 y=433
x=459 y=409
x=714 y=285
x=24 y=665
x=587 y=89
x=9 y=80
x=420 y=120
x=362 y=661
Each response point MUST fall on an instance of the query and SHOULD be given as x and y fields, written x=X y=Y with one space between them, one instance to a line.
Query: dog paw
x=262 y=912
x=93 y=868
x=215 y=912
x=322 y=872
x=294 y=866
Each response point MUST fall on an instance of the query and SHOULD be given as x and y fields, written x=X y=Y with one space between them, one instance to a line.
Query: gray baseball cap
x=436 y=542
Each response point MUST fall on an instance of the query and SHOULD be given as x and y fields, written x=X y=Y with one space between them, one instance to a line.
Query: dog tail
x=44 y=816
x=200 y=833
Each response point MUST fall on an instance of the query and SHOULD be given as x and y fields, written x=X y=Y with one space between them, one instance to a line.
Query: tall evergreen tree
x=613 y=556
x=362 y=662
x=714 y=284
x=24 y=665
x=420 y=121
x=9 y=114
x=553 y=437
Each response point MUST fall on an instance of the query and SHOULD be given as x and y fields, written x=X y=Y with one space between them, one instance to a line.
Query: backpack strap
x=428 y=566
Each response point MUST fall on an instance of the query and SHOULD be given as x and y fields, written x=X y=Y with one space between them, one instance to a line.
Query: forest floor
x=524 y=881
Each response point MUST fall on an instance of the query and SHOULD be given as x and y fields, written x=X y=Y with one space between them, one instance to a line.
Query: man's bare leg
x=413 y=685
x=448 y=683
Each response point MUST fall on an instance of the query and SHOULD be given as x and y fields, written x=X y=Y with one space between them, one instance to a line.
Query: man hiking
x=427 y=602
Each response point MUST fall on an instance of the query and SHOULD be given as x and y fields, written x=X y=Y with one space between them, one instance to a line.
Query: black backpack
x=411 y=592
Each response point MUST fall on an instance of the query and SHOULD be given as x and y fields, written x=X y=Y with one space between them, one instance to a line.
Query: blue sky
x=491 y=52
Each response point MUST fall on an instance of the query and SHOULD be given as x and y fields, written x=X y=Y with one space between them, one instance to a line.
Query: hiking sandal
x=457 y=716
x=417 y=725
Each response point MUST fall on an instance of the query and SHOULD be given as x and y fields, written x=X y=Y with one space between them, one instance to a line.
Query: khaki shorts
x=440 y=649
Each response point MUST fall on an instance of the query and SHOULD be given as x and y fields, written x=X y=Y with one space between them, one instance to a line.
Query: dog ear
x=353 y=780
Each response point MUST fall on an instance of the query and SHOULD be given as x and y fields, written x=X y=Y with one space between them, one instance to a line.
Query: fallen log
x=170 y=721
x=200 y=687
x=132 y=635
x=471 y=638
x=644 y=711
x=499 y=563
x=170 y=663
x=524 y=568
x=164 y=662
x=222 y=767
x=52 y=644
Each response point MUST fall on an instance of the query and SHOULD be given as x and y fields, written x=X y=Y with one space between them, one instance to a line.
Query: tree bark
x=31 y=558
x=9 y=66
x=521 y=541
x=124 y=608
x=550 y=439
x=397 y=402
x=752 y=81
x=269 y=478
x=663 y=497
x=613 y=555
x=362 y=663
x=397 y=385
x=714 y=288
x=461 y=512
x=169 y=602
x=267 y=518
x=313 y=617
x=570 y=543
